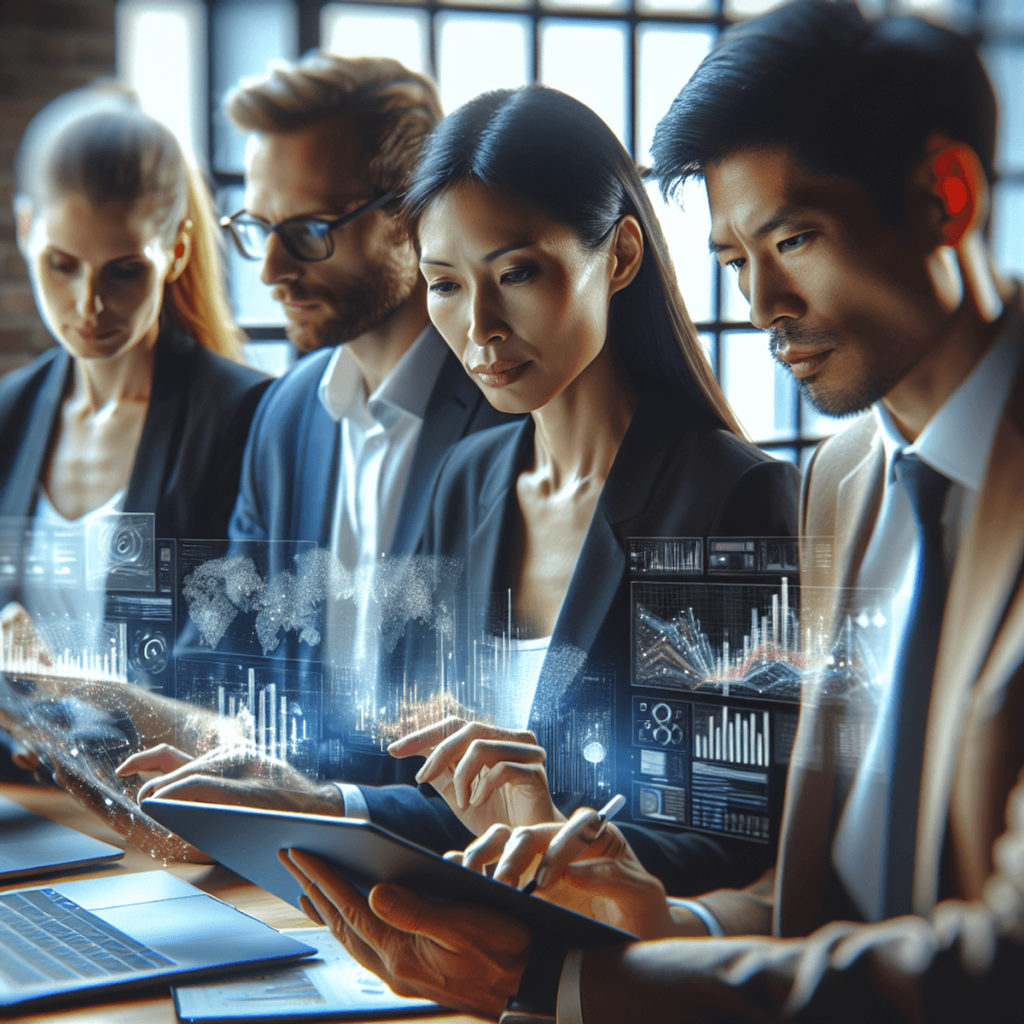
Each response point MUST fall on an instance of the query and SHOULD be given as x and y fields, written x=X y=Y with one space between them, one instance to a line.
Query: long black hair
x=544 y=148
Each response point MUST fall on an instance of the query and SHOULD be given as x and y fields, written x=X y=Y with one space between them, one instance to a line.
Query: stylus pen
x=575 y=830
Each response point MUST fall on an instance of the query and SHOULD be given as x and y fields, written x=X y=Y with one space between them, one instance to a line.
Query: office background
x=625 y=58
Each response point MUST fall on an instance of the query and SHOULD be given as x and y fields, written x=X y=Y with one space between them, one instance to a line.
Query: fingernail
x=383 y=899
x=542 y=877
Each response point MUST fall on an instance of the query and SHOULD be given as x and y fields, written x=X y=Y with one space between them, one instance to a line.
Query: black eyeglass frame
x=328 y=226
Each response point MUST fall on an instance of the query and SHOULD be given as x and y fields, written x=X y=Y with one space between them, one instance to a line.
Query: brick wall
x=46 y=48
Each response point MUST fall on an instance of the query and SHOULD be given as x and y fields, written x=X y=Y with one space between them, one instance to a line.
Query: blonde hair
x=97 y=142
x=392 y=108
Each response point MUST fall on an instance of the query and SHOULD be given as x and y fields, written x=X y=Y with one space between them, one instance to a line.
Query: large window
x=625 y=58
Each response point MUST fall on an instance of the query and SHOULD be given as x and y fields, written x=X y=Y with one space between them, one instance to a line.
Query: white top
x=956 y=442
x=378 y=438
x=44 y=597
x=514 y=697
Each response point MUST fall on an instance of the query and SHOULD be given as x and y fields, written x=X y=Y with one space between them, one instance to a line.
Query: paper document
x=331 y=984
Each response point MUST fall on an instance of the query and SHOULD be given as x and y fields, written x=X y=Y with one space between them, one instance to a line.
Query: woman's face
x=518 y=298
x=98 y=274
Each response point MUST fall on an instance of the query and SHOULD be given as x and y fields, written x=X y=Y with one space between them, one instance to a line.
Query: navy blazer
x=668 y=479
x=190 y=452
x=292 y=460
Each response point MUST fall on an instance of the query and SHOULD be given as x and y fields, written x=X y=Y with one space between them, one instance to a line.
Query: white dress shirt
x=956 y=442
x=378 y=435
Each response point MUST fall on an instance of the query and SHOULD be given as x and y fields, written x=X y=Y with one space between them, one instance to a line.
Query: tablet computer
x=247 y=839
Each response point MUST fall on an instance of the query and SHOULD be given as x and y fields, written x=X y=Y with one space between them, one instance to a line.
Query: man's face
x=373 y=268
x=845 y=296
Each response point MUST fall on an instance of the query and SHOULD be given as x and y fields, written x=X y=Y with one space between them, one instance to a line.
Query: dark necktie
x=927 y=489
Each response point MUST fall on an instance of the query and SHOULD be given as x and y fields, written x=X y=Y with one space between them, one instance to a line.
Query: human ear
x=957 y=188
x=958 y=196
x=627 y=253
x=181 y=251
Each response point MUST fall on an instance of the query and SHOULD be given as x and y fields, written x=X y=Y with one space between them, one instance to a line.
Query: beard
x=362 y=302
x=833 y=400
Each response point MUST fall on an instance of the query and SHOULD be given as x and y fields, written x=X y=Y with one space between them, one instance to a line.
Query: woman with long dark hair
x=549 y=277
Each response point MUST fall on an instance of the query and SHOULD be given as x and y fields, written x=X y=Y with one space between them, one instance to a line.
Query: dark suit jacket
x=190 y=452
x=290 y=471
x=668 y=479
x=189 y=455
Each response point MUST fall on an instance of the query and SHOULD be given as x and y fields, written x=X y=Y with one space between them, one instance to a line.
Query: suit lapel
x=495 y=522
x=145 y=486
x=601 y=567
x=316 y=492
x=980 y=645
x=19 y=493
x=845 y=504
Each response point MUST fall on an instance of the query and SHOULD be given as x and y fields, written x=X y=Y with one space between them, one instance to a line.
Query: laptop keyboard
x=46 y=935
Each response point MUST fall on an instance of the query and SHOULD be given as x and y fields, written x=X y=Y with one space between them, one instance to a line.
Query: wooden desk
x=154 y=1006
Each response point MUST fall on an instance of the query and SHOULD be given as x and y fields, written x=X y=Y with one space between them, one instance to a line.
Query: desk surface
x=155 y=1005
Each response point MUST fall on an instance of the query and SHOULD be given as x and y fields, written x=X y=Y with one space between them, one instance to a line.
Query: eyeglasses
x=305 y=238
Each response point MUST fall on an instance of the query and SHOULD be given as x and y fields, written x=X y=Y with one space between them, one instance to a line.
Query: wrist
x=536 y=998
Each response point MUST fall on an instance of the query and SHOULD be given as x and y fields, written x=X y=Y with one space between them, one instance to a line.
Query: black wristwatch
x=516 y=1013
x=536 y=1000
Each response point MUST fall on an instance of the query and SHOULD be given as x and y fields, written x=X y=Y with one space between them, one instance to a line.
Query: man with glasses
x=344 y=449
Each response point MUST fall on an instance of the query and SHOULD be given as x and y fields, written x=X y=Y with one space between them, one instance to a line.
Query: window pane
x=686 y=230
x=588 y=60
x=586 y=5
x=1008 y=228
x=762 y=393
x=1006 y=67
x=477 y=52
x=161 y=42
x=748 y=8
x=246 y=34
x=351 y=30
x=668 y=56
x=735 y=308
x=250 y=297
x=487 y=3
x=272 y=357
x=1009 y=13
x=675 y=6
x=783 y=454
x=942 y=11
x=707 y=342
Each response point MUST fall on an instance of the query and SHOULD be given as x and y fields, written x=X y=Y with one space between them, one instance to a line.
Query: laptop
x=33 y=845
x=104 y=933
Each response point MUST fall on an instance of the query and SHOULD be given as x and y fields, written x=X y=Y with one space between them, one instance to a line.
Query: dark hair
x=546 y=149
x=97 y=143
x=847 y=97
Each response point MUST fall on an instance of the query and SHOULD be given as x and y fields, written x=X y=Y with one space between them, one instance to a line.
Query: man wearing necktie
x=848 y=167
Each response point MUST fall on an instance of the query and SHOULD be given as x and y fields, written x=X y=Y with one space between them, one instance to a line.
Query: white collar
x=405 y=389
x=957 y=439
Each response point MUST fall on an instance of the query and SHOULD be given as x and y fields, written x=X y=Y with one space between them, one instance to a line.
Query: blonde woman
x=144 y=405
